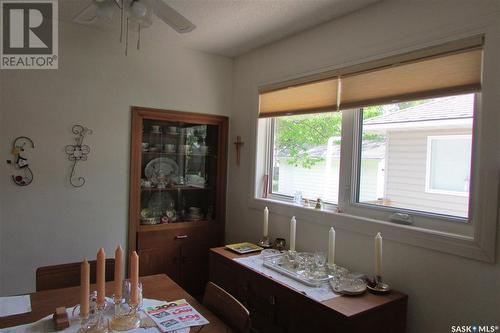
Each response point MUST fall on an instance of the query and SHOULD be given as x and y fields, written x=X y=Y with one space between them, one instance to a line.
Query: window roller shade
x=444 y=74
x=300 y=99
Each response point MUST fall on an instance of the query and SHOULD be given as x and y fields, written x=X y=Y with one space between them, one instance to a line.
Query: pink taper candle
x=118 y=272
x=84 y=288
x=100 y=277
x=134 y=278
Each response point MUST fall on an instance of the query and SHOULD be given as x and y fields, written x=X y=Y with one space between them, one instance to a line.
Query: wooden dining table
x=159 y=287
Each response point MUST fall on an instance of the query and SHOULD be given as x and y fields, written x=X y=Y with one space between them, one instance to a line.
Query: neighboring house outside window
x=428 y=150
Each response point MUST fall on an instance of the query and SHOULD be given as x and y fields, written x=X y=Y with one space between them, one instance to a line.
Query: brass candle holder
x=126 y=316
x=264 y=242
x=379 y=287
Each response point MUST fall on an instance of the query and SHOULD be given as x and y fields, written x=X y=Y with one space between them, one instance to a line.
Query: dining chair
x=68 y=275
x=227 y=308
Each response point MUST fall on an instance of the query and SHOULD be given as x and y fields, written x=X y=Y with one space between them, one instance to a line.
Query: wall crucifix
x=238 y=143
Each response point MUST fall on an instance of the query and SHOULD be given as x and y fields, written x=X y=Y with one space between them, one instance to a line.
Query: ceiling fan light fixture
x=139 y=9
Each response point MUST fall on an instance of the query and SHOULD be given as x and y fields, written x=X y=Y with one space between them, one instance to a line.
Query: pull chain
x=139 y=37
x=121 y=22
x=126 y=40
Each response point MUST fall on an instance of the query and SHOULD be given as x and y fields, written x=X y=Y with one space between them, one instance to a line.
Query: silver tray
x=277 y=263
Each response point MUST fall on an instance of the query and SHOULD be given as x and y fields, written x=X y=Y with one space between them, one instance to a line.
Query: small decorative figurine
x=319 y=204
x=25 y=176
x=78 y=152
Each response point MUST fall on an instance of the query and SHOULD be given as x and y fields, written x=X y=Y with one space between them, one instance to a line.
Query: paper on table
x=12 y=305
x=175 y=315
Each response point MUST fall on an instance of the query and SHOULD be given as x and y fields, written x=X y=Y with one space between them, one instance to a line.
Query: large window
x=419 y=155
x=402 y=140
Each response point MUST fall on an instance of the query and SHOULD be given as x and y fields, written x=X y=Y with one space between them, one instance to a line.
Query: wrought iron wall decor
x=24 y=175
x=78 y=152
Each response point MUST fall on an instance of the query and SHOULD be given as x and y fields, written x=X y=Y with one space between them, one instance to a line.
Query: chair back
x=68 y=275
x=227 y=308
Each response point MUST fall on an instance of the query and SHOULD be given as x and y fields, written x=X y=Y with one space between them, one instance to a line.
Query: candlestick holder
x=378 y=287
x=126 y=316
x=264 y=242
x=94 y=321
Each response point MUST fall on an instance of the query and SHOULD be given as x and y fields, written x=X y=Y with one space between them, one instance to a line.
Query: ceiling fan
x=134 y=14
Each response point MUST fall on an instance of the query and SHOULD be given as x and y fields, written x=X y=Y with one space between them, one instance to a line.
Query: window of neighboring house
x=448 y=164
x=419 y=154
x=306 y=156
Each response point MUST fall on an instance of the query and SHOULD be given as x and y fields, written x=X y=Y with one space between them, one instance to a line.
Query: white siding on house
x=313 y=182
x=406 y=172
x=368 y=180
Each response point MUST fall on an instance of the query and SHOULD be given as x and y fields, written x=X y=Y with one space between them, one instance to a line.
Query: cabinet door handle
x=181 y=236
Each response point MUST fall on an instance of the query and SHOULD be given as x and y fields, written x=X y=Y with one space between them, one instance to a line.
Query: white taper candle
x=378 y=254
x=331 y=246
x=293 y=225
x=265 y=227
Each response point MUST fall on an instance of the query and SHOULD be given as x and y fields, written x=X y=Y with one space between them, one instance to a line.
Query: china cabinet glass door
x=178 y=172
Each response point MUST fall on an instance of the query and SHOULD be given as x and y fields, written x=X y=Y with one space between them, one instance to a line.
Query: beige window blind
x=443 y=75
x=300 y=99
x=427 y=73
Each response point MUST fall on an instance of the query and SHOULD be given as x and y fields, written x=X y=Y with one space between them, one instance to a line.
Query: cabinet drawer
x=159 y=261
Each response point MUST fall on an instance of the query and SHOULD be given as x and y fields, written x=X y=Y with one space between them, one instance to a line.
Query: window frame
x=428 y=164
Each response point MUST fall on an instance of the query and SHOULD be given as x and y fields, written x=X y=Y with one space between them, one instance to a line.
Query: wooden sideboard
x=275 y=307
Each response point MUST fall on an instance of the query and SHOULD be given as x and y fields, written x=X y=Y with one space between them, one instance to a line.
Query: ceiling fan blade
x=171 y=17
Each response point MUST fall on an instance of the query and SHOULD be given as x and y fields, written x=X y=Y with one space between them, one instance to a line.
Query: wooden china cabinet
x=177 y=192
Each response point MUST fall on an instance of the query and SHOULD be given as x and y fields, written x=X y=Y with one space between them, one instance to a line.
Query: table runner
x=316 y=293
x=46 y=324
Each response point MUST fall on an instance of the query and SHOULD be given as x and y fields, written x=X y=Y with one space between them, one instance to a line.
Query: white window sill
x=456 y=244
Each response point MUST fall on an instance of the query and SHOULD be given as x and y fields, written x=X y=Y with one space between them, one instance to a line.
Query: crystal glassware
x=126 y=293
x=126 y=314
x=320 y=261
x=338 y=274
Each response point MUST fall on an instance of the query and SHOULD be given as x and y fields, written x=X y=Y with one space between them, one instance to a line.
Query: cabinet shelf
x=175 y=188
x=176 y=225
x=162 y=153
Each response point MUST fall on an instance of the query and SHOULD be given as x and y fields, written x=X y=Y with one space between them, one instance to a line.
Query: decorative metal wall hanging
x=24 y=175
x=78 y=152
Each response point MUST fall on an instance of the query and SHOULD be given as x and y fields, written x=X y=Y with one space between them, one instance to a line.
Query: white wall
x=443 y=289
x=50 y=222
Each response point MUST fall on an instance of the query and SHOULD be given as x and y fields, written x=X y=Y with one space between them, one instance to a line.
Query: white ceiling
x=233 y=27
